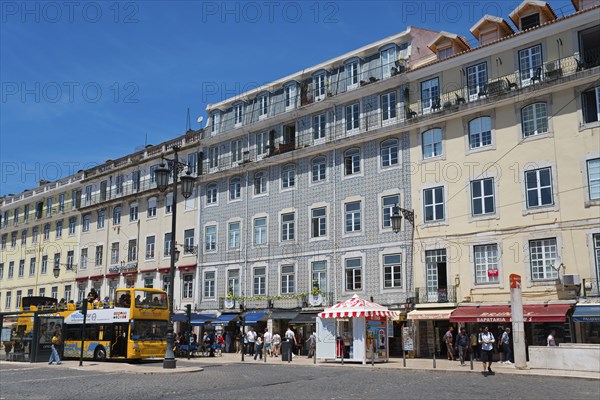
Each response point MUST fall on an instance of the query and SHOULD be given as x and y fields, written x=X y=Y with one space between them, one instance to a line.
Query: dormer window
x=319 y=86
x=238 y=114
x=215 y=120
x=444 y=53
x=289 y=92
x=388 y=60
x=530 y=21
x=263 y=103
x=352 y=74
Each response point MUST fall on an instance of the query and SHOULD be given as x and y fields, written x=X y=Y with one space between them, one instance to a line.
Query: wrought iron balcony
x=436 y=295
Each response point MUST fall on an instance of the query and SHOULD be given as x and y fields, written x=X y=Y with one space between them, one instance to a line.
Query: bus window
x=147 y=299
x=148 y=330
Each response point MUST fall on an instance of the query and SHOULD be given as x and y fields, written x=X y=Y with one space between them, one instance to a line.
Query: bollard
x=471 y=361
x=434 y=360
x=289 y=354
x=372 y=353
x=403 y=357
x=264 y=349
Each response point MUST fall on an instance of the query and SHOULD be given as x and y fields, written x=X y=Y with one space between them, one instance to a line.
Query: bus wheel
x=100 y=354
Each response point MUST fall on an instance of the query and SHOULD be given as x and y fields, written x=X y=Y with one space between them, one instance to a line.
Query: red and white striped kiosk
x=355 y=329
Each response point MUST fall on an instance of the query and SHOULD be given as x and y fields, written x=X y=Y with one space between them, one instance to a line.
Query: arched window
x=288 y=176
x=211 y=193
x=117 y=215
x=235 y=188
x=319 y=169
x=389 y=152
x=352 y=161
x=480 y=132
x=432 y=143
x=260 y=182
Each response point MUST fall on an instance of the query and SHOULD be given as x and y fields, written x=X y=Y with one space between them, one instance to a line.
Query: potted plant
x=315 y=298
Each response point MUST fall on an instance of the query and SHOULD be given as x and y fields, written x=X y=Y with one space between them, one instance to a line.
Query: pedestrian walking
x=56 y=340
x=251 y=337
x=551 y=339
x=462 y=342
x=291 y=338
x=267 y=342
x=486 y=340
x=312 y=345
x=258 y=346
x=448 y=339
x=505 y=342
x=276 y=344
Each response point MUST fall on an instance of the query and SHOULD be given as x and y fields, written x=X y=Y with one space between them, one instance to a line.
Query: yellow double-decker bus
x=134 y=327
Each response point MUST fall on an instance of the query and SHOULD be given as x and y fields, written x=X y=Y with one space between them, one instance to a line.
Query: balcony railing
x=406 y=112
x=436 y=295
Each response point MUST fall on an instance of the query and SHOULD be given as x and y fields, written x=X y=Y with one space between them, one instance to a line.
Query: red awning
x=148 y=270
x=164 y=270
x=81 y=279
x=531 y=313
x=96 y=277
x=110 y=276
x=189 y=267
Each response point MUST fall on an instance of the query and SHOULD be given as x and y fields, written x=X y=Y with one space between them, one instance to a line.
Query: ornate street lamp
x=173 y=167
x=397 y=214
x=56 y=270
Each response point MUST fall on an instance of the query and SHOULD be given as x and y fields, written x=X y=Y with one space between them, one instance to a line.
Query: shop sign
x=123 y=268
x=407 y=338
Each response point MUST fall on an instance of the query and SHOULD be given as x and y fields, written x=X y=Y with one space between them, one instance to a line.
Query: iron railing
x=436 y=295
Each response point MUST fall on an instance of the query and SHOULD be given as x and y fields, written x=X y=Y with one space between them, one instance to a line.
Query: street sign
x=515 y=281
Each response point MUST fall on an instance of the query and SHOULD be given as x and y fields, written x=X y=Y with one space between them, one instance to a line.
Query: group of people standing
x=256 y=343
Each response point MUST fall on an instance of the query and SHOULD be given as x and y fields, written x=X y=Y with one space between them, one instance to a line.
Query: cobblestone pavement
x=256 y=380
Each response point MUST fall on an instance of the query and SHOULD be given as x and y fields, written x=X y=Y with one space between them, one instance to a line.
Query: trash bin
x=286 y=351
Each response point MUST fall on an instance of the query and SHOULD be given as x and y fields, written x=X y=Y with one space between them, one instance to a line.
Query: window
x=16 y=217
x=13 y=239
x=590 y=100
x=59 y=228
x=4 y=238
x=32 y=266
x=260 y=231
x=11 y=269
x=114 y=253
x=318 y=222
x=233 y=282
x=593 y=176
x=263 y=110
x=542 y=258
x=287 y=226
x=214 y=123
x=8 y=302
x=530 y=64
x=100 y=221
x=150 y=244
x=290 y=96
x=25 y=214
x=18 y=298
x=444 y=53
x=352 y=161
x=433 y=203
x=236 y=151
x=133 y=211
x=85 y=223
x=389 y=153
x=319 y=126
x=262 y=143
x=387 y=205
x=132 y=250
x=103 y=190
x=430 y=93
x=538 y=184
x=352 y=74
x=287 y=279
x=388 y=107
x=152 y=172
x=260 y=182
x=353 y=274
x=234 y=235
x=188 y=286
x=213 y=157
x=151 y=207
x=596 y=240
x=260 y=282
x=352 y=117
x=210 y=238
x=188 y=241
x=288 y=176
x=352 y=214
x=70 y=260
x=1 y=271
x=24 y=237
x=169 y=203
x=388 y=59
x=476 y=80
x=119 y=184
x=67 y=293
x=22 y=268
x=99 y=251
x=46 y=232
x=530 y=21
x=482 y=196
x=238 y=114
x=88 y=196
x=49 y=207
x=211 y=193
x=319 y=275
x=72 y=225
x=35 y=231
x=135 y=180
x=432 y=143
x=486 y=263
x=117 y=215
x=209 y=284
x=166 y=283
x=392 y=271
x=168 y=241
x=319 y=86
x=235 y=188
x=534 y=119
x=480 y=132
x=319 y=169
x=83 y=260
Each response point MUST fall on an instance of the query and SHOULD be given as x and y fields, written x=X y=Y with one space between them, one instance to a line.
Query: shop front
x=586 y=320
x=428 y=327
x=354 y=330
x=226 y=325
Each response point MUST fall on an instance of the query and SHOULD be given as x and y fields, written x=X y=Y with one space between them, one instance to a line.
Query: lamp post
x=396 y=217
x=174 y=167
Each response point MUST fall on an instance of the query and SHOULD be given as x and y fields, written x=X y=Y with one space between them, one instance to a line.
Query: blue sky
x=84 y=82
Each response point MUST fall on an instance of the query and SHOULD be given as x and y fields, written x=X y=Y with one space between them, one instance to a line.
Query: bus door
x=119 y=344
